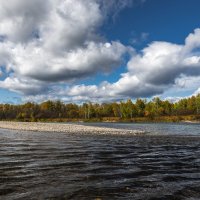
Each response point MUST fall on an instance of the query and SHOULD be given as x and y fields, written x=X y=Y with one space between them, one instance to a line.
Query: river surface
x=178 y=129
x=164 y=164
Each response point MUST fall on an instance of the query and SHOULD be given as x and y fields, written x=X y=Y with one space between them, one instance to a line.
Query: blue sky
x=163 y=20
x=98 y=50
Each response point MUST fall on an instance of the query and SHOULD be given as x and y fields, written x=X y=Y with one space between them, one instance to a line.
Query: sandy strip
x=65 y=128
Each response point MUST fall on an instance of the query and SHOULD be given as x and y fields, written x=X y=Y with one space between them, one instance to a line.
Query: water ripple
x=62 y=166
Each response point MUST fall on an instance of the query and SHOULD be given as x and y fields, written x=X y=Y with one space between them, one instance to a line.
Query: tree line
x=141 y=108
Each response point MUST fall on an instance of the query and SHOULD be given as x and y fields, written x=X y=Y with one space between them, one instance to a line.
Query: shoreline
x=66 y=128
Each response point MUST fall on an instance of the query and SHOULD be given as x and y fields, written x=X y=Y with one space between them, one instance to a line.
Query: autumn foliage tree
x=50 y=110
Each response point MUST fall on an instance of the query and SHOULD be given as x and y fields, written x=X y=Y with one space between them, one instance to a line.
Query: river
x=163 y=164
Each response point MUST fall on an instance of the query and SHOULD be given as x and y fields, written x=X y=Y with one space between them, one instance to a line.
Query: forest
x=138 y=110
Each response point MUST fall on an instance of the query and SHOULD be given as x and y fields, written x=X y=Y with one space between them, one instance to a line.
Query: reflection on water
x=62 y=166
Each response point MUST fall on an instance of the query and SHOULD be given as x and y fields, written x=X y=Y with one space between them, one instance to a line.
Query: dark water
x=63 y=166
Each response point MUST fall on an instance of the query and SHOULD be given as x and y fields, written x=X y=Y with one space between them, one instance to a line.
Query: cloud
x=5 y=57
x=46 y=47
x=71 y=24
x=197 y=92
x=24 y=86
x=36 y=63
x=153 y=71
x=114 y=7
x=20 y=19
x=161 y=62
x=53 y=41
x=138 y=39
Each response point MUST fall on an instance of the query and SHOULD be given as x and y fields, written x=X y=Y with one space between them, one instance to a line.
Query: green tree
x=140 y=105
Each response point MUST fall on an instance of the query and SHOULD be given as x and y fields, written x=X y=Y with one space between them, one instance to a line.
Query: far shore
x=65 y=128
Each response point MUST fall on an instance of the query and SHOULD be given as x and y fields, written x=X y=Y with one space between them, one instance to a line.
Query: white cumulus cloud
x=46 y=46
x=53 y=41
x=158 y=68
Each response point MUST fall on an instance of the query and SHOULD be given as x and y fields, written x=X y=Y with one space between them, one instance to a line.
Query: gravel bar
x=65 y=128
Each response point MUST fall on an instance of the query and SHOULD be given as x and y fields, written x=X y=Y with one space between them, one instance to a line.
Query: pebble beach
x=65 y=128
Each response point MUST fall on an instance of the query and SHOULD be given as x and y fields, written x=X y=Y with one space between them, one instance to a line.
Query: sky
x=98 y=50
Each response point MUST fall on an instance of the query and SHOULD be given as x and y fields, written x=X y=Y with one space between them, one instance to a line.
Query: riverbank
x=65 y=128
x=155 y=119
